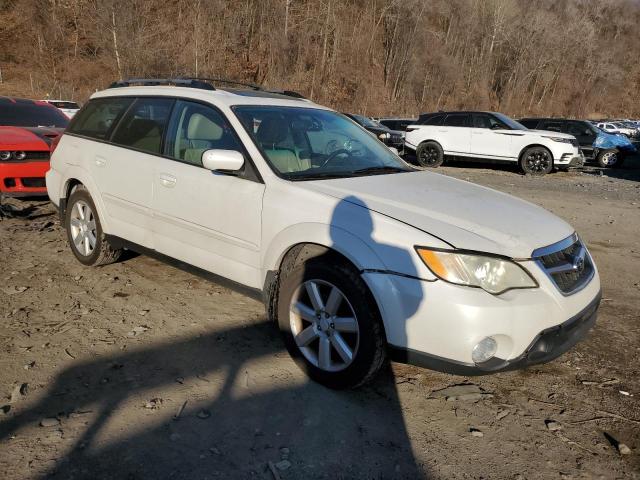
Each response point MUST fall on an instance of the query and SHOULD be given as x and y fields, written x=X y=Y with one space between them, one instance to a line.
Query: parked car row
x=358 y=255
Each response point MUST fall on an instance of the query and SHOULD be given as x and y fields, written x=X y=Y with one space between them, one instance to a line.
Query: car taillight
x=54 y=143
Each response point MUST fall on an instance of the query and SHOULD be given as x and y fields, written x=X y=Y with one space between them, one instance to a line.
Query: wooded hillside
x=570 y=57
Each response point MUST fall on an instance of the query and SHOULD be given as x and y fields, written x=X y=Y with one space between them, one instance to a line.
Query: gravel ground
x=139 y=370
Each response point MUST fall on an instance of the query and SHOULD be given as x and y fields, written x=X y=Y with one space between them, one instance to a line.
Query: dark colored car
x=398 y=124
x=607 y=149
x=390 y=137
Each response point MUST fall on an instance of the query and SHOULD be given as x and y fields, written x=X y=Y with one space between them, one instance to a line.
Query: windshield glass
x=510 y=122
x=31 y=115
x=308 y=144
x=366 y=122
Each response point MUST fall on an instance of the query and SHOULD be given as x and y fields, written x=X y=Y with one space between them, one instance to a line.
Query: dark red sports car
x=28 y=129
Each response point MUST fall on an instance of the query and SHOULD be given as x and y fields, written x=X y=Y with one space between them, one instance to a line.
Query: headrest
x=271 y=130
x=201 y=128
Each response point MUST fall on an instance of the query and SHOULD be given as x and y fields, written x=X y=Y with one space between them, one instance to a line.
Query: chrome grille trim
x=567 y=264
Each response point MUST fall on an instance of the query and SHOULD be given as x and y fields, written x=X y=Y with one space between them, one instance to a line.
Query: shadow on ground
x=329 y=434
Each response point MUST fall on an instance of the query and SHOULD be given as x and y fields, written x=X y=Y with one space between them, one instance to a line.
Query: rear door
x=491 y=138
x=455 y=133
x=207 y=219
x=123 y=168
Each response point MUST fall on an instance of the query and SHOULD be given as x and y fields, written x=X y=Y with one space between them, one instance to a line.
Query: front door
x=208 y=219
x=491 y=138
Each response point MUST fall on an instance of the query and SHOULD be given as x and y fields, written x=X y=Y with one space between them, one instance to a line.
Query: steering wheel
x=332 y=156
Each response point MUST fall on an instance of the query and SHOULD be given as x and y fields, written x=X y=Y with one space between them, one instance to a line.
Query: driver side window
x=196 y=128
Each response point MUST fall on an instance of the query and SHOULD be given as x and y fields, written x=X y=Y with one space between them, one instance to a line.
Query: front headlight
x=4 y=156
x=559 y=139
x=493 y=274
x=384 y=136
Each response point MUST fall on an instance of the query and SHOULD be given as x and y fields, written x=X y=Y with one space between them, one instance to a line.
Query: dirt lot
x=141 y=371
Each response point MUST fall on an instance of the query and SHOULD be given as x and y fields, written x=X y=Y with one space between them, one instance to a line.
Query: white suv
x=493 y=136
x=356 y=254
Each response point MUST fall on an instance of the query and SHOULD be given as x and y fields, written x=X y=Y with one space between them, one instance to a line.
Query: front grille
x=33 y=182
x=567 y=263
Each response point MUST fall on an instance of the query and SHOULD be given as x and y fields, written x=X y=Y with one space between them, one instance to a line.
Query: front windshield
x=366 y=122
x=510 y=122
x=307 y=143
x=31 y=115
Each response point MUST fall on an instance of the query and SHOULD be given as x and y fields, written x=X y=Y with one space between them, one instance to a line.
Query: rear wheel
x=330 y=323
x=536 y=161
x=430 y=154
x=84 y=231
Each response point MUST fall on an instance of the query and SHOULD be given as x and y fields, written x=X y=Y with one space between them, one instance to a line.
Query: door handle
x=167 y=180
x=101 y=161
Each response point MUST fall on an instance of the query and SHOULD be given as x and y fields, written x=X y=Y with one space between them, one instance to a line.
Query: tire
x=430 y=154
x=609 y=158
x=83 y=224
x=364 y=337
x=536 y=161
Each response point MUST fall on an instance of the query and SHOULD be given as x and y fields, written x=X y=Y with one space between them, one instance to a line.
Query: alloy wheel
x=429 y=156
x=609 y=158
x=83 y=228
x=538 y=161
x=324 y=325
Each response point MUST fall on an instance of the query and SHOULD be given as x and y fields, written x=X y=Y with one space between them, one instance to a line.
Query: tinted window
x=143 y=124
x=551 y=126
x=195 y=128
x=579 y=129
x=533 y=124
x=64 y=104
x=432 y=120
x=31 y=114
x=457 y=120
x=484 y=120
x=98 y=116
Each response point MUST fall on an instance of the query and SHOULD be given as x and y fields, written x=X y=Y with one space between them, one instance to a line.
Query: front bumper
x=437 y=324
x=547 y=346
x=23 y=179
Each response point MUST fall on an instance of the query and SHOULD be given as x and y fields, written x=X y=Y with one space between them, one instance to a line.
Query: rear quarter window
x=98 y=117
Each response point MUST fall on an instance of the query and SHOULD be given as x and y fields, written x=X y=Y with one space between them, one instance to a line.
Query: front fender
x=330 y=236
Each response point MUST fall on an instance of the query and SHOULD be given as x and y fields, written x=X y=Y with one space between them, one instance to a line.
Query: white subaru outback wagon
x=358 y=256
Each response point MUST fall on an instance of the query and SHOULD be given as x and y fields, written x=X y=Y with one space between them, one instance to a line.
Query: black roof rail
x=252 y=86
x=198 y=82
x=178 y=82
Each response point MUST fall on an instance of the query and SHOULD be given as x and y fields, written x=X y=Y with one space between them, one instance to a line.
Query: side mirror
x=394 y=150
x=222 y=160
x=496 y=126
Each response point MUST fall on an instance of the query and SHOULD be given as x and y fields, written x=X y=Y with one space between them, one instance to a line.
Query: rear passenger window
x=143 y=125
x=457 y=120
x=196 y=128
x=434 y=120
x=98 y=116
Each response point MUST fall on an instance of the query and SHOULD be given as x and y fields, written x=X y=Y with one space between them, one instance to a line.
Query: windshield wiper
x=317 y=176
x=379 y=169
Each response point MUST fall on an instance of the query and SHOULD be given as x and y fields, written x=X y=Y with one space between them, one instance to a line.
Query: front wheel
x=536 y=161
x=609 y=158
x=430 y=154
x=330 y=323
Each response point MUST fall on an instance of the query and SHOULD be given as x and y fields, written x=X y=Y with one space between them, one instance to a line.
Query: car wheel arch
x=535 y=145
x=77 y=177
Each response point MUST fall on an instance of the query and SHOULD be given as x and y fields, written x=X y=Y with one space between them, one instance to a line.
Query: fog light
x=484 y=350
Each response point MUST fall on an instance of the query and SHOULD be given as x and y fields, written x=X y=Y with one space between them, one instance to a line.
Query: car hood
x=27 y=138
x=462 y=214
x=551 y=133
